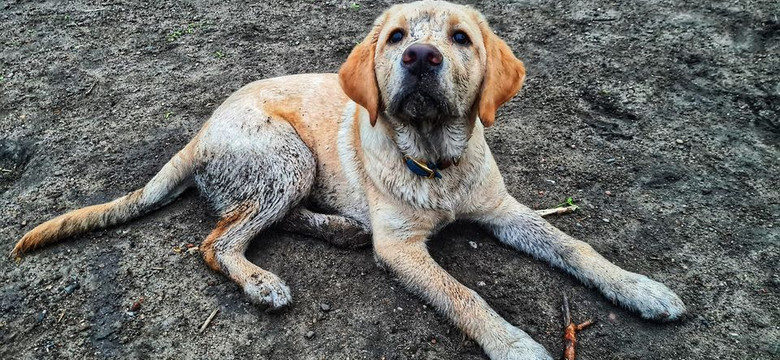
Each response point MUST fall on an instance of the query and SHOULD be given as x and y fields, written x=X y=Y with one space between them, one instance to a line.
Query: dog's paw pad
x=272 y=295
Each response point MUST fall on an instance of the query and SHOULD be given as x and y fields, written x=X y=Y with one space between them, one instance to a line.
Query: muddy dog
x=387 y=151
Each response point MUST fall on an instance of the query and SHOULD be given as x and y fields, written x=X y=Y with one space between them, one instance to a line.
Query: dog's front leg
x=525 y=230
x=399 y=244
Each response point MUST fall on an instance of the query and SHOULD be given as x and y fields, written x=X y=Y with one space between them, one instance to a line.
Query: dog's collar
x=429 y=169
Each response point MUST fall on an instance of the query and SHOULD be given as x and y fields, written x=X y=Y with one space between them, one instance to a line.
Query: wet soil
x=660 y=119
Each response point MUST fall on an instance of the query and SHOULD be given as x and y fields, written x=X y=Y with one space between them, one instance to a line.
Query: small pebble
x=612 y=317
x=609 y=193
x=136 y=306
x=103 y=333
x=605 y=220
x=71 y=288
x=481 y=283
x=40 y=316
x=703 y=321
x=473 y=244
x=679 y=141
x=309 y=334
x=324 y=307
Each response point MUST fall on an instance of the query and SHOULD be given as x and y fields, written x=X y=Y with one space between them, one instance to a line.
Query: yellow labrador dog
x=387 y=151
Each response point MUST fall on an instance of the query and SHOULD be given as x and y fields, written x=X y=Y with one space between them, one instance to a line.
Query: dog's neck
x=385 y=164
x=442 y=142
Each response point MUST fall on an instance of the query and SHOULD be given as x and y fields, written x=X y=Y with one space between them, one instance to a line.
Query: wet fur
x=278 y=149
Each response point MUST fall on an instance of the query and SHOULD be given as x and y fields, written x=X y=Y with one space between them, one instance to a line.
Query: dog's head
x=431 y=61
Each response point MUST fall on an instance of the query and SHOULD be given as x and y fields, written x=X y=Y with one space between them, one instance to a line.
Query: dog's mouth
x=420 y=101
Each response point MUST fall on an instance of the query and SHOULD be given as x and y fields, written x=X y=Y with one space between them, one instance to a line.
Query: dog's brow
x=426 y=24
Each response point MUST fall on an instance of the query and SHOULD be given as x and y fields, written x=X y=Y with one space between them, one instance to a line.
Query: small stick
x=571 y=330
x=90 y=88
x=208 y=321
x=557 y=211
x=61 y=316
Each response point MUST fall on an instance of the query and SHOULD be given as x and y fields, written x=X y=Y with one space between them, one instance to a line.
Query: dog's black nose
x=421 y=58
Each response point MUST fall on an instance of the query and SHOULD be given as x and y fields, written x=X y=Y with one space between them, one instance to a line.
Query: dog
x=386 y=152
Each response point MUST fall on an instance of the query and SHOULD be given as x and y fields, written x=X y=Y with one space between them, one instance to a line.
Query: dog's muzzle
x=420 y=97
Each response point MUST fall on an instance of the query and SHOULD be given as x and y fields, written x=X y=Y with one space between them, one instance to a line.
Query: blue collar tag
x=429 y=170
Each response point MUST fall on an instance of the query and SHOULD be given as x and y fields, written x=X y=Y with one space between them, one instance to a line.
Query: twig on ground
x=558 y=211
x=90 y=88
x=208 y=321
x=571 y=330
x=62 y=315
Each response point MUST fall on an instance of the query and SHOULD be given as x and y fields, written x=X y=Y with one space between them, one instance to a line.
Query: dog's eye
x=396 y=36
x=461 y=38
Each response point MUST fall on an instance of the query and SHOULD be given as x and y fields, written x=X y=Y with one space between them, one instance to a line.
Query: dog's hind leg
x=223 y=250
x=256 y=174
x=335 y=229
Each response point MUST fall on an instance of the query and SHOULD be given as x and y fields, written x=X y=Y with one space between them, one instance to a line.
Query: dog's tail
x=170 y=182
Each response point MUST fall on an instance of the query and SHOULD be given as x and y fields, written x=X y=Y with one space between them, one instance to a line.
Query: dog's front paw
x=650 y=298
x=515 y=344
x=269 y=293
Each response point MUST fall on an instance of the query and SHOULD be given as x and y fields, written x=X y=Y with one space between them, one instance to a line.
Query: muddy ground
x=659 y=118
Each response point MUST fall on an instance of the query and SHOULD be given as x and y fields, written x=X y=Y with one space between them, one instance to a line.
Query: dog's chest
x=447 y=194
x=382 y=165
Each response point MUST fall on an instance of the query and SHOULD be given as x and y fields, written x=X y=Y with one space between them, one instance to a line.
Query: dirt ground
x=660 y=119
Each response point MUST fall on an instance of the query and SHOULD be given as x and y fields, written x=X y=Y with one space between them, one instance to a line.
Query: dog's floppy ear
x=358 y=77
x=504 y=74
